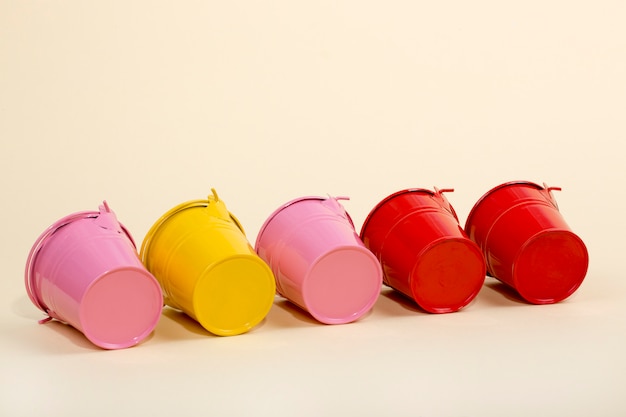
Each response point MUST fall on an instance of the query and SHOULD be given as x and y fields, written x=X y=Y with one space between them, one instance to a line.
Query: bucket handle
x=443 y=201
x=334 y=204
x=551 y=198
x=214 y=198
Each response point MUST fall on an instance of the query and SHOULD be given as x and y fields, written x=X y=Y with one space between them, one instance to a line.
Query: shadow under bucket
x=207 y=268
x=526 y=242
x=319 y=261
x=84 y=270
x=423 y=250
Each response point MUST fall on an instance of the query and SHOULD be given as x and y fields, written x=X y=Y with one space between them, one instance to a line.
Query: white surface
x=149 y=104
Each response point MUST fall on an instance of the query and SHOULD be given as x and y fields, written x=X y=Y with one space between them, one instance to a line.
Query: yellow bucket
x=206 y=267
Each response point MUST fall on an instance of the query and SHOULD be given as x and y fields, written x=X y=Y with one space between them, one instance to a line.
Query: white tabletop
x=150 y=104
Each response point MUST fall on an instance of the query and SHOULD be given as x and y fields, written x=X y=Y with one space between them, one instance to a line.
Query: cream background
x=149 y=104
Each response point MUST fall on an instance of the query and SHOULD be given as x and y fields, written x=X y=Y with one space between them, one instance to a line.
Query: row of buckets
x=85 y=269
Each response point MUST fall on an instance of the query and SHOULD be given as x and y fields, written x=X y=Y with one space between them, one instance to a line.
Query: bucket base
x=448 y=275
x=121 y=308
x=234 y=295
x=342 y=285
x=550 y=267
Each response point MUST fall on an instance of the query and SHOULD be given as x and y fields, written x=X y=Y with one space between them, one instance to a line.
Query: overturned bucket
x=84 y=270
x=319 y=262
x=206 y=267
x=423 y=250
x=526 y=242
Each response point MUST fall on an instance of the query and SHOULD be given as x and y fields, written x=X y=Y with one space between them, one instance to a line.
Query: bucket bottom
x=342 y=285
x=121 y=308
x=550 y=267
x=234 y=295
x=447 y=276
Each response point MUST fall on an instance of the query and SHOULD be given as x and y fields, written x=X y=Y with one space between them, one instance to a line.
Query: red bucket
x=526 y=242
x=423 y=250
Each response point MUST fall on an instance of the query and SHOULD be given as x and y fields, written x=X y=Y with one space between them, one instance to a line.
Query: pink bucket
x=319 y=261
x=84 y=270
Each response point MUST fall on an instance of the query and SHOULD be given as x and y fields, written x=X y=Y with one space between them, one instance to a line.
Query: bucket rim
x=396 y=194
x=282 y=207
x=40 y=244
x=479 y=202
x=145 y=246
